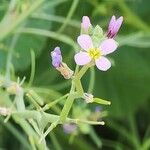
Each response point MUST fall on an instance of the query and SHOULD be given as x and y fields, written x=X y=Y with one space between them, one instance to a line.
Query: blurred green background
x=41 y=25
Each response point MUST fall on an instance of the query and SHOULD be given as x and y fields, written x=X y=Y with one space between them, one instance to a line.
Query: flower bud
x=4 y=111
x=14 y=88
x=85 y=24
x=59 y=65
x=114 y=26
x=69 y=128
x=56 y=57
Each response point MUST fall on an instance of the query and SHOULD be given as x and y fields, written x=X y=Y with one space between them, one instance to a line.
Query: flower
x=5 y=111
x=88 y=97
x=69 y=128
x=14 y=88
x=85 y=24
x=59 y=64
x=98 y=109
x=56 y=57
x=114 y=26
x=95 y=53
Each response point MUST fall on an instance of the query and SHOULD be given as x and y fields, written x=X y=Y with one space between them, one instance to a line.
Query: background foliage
x=41 y=25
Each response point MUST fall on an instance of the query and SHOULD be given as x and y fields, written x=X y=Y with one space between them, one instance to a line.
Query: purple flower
x=56 y=57
x=69 y=128
x=98 y=109
x=95 y=53
x=86 y=24
x=114 y=26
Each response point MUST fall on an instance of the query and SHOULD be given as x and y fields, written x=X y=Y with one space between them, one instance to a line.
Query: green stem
x=55 y=18
x=134 y=131
x=55 y=141
x=51 y=104
x=68 y=104
x=131 y=17
x=95 y=138
x=92 y=80
x=32 y=68
x=18 y=135
x=79 y=88
x=19 y=99
x=33 y=101
x=9 y=57
x=78 y=76
x=50 y=118
x=51 y=34
x=70 y=13
x=83 y=71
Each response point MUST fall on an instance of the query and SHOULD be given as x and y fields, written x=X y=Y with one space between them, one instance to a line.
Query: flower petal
x=82 y=58
x=118 y=24
x=56 y=57
x=108 y=46
x=85 y=42
x=103 y=63
x=112 y=22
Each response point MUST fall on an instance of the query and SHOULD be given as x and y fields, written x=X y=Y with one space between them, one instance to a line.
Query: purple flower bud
x=114 y=26
x=56 y=57
x=85 y=24
x=69 y=128
x=98 y=109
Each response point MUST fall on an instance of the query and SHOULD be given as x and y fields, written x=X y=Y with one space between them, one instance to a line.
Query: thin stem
x=32 y=68
x=83 y=71
x=35 y=97
x=92 y=79
x=19 y=99
x=95 y=138
x=35 y=126
x=55 y=18
x=131 y=17
x=32 y=142
x=79 y=87
x=55 y=141
x=68 y=104
x=52 y=126
x=51 y=104
x=33 y=101
x=51 y=34
x=9 y=57
x=19 y=136
x=134 y=131
x=70 y=13
x=77 y=121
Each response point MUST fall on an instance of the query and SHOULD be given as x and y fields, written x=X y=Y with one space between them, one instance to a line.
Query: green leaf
x=136 y=40
x=21 y=56
x=127 y=84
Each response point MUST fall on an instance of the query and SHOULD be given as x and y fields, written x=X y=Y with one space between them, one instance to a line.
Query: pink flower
x=97 y=54
x=114 y=26
x=86 y=24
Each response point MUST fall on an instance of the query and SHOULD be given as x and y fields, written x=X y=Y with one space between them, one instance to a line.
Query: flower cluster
x=95 y=46
x=91 y=52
